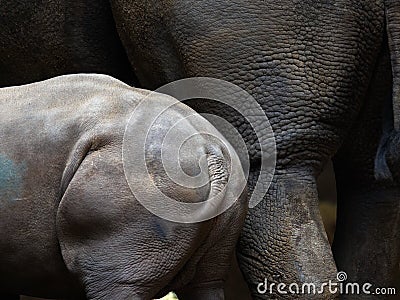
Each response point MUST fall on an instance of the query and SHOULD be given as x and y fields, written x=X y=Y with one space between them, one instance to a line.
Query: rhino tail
x=381 y=169
x=391 y=112
x=218 y=172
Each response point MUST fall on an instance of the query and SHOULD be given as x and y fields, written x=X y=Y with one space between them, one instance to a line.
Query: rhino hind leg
x=209 y=292
x=115 y=247
x=217 y=254
x=208 y=280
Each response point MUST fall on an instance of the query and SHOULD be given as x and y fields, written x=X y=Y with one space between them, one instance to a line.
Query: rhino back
x=42 y=39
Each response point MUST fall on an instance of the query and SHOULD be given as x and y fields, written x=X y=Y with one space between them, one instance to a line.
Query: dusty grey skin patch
x=11 y=179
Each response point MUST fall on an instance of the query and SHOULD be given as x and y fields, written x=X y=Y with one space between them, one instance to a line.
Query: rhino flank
x=71 y=227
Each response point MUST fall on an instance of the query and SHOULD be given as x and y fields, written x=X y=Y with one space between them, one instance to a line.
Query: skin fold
x=72 y=228
x=311 y=65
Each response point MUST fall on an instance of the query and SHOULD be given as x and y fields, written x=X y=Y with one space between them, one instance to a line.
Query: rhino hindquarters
x=111 y=243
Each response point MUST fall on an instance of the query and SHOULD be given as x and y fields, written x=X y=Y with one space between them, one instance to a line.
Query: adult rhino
x=322 y=72
x=72 y=228
x=310 y=65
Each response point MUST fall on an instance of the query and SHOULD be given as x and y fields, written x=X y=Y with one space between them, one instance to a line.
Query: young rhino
x=72 y=225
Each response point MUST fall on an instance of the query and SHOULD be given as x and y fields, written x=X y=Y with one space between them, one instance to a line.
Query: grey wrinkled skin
x=70 y=226
x=309 y=64
x=43 y=39
x=392 y=13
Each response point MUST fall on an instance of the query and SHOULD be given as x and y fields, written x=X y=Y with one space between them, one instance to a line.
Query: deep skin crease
x=313 y=67
x=72 y=229
x=310 y=65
